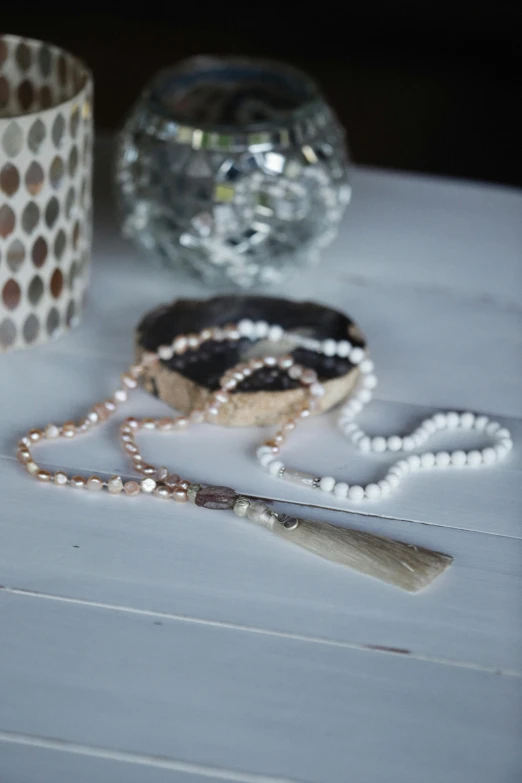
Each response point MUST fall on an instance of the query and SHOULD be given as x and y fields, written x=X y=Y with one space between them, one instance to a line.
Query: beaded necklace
x=161 y=483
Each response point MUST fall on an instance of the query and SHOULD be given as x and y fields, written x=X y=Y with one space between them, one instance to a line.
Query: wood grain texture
x=251 y=704
x=210 y=567
x=189 y=636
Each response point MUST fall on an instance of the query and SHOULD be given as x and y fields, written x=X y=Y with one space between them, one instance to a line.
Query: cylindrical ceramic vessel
x=45 y=190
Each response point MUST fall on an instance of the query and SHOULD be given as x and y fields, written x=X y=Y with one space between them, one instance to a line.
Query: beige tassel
x=404 y=565
x=411 y=567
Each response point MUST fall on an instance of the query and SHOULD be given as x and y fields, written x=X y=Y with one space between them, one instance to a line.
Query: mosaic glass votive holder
x=234 y=169
x=45 y=190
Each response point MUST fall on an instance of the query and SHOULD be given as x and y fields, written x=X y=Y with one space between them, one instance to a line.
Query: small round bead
x=369 y=381
x=60 y=478
x=35 y=435
x=23 y=456
x=270 y=361
x=275 y=466
x=43 y=475
x=364 y=395
x=245 y=327
x=147 y=470
x=408 y=444
x=327 y=483
x=261 y=329
x=285 y=362
x=25 y=441
x=429 y=426
x=354 y=406
x=329 y=347
x=172 y=480
x=393 y=480
x=501 y=451
x=427 y=459
x=78 y=482
x=131 y=448
x=356 y=356
x=163 y=492
x=503 y=433
x=212 y=411
x=31 y=467
x=378 y=444
x=364 y=444
x=131 y=488
x=120 y=395
x=340 y=490
x=230 y=384
x=394 y=443
x=489 y=456
x=295 y=371
x=492 y=427
x=52 y=431
x=414 y=461
x=241 y=505
x=385 y=487
x=507 y=443
x=275 y=333
x=115 y=485
x=148 y=485
x=129 y=381
x=267 y=458
x=308 y=376
x=289 y=426
x=193 y=340
x=366 y=366
x=442 y=459
x=94 y=483
x=179 y=494
x=343 y=348
x=440 y=420
x=404 y=466
x=181 y=423
x=316 y=389
x=452 y=420
x=356 y=492
x=161 y=473
x=481 y=423
x=263 y=450
x=467 y=420
x=373 y=491
x=458 y=458
x=304 y=413
x=69 y=429
x=348 y=426
x=474 y=458
x=166 y=352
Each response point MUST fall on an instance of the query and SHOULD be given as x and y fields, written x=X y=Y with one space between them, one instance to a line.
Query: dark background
x=419 y=86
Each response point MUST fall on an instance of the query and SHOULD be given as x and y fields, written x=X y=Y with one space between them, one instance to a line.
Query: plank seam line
x=229 y=626
x=302 y=504
x=143 y=759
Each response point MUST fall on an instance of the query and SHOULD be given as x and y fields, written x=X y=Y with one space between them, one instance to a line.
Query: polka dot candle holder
x=45 y=190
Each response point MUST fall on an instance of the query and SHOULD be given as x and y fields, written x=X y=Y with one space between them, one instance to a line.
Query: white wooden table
x=146 y=642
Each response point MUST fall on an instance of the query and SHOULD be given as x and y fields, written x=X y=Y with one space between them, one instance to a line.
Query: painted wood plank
x=152 y=556
x=27 y=759
x=268 y=705
x=488 y=500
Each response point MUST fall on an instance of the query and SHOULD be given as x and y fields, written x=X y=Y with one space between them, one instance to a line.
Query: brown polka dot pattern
x=45 y=190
